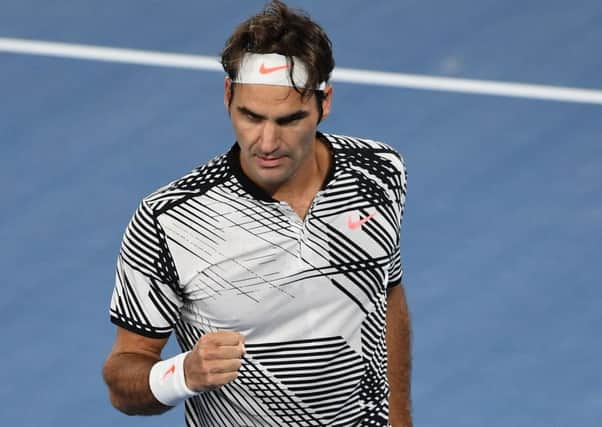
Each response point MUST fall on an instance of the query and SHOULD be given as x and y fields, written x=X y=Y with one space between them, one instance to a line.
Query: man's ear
x=327 y=101
x=227 y=93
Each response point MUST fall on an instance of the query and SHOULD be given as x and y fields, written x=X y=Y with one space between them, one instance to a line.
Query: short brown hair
x=288 y=32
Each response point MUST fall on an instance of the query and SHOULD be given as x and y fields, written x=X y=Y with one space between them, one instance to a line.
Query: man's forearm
x=399 y=358
x=127 y=374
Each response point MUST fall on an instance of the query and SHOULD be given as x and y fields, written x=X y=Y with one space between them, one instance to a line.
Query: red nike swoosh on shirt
x=355 y=224
x=170 y=371
x=268 y=70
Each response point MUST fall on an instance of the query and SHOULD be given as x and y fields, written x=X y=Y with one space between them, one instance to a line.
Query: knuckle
x=205 y=370
x=206 y=353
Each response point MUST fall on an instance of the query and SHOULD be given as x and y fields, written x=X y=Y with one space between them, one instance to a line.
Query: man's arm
x=126 y=372
x=399 y=357
x=214 y=361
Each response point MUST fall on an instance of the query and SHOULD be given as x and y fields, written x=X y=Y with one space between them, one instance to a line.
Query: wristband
x=167 y=381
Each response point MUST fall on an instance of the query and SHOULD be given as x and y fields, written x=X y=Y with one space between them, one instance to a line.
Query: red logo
x=355 y=224
x=170 y=371
x=268 y=70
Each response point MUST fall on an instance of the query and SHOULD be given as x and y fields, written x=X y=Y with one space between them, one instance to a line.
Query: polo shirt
x=212 y=251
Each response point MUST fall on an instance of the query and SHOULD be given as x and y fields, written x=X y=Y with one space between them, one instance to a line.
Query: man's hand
x=214 y=361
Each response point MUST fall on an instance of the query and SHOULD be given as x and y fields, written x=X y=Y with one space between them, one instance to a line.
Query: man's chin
x=270 y=180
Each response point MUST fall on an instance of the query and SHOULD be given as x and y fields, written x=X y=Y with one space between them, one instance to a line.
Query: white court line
x=345 y=75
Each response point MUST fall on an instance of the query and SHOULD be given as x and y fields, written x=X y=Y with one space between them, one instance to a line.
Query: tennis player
x=277 y=263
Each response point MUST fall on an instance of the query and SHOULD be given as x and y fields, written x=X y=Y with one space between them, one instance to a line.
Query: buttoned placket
x=299 y=225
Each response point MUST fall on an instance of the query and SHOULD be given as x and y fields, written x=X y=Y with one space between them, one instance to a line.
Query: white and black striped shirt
x=212 y=251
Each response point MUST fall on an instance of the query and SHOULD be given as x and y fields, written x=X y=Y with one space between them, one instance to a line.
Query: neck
x=309 y=178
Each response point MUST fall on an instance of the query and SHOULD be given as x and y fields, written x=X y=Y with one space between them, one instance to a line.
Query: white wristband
x=167 y=381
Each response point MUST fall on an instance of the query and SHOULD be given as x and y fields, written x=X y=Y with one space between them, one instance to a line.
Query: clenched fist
x=214 y=360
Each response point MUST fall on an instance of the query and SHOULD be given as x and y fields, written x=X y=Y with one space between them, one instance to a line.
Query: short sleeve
x=399 y=190
x=395 y=269
x=146 y=297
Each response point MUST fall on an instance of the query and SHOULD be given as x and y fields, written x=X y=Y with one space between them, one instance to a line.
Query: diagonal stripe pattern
x=211 y=251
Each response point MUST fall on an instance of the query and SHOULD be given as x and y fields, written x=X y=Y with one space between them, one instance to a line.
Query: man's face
x=276 y=131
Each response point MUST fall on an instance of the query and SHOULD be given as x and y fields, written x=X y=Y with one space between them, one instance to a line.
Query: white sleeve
x=395 y=266
x=146 y=297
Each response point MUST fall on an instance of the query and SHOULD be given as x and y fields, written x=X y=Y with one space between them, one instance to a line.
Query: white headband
x=272 y=69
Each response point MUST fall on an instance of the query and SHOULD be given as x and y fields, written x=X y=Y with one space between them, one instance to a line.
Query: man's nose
x=270 y=135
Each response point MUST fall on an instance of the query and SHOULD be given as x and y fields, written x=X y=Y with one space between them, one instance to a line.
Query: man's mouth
x=269 y=161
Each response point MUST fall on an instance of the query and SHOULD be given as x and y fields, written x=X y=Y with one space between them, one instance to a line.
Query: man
x=277 y=263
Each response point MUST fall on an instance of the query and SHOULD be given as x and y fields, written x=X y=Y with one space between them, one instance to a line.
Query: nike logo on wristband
x=170 y=371
x=268 y=70
x=355 y=224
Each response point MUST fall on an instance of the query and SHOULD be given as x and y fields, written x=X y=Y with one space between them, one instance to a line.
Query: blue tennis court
x=502 y=236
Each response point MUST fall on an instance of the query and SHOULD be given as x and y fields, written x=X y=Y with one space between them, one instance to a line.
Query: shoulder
x=374 y=158
x=355 y=150
x=194 y=183
x=378 y=169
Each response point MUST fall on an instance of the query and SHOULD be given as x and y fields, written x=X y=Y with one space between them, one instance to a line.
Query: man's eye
x=252 y=118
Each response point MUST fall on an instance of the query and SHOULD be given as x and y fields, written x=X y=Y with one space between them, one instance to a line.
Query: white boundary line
x=345 y=75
